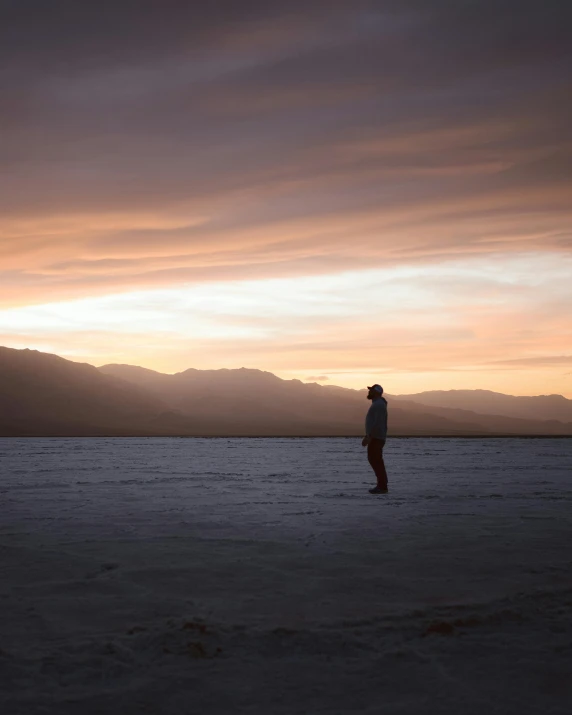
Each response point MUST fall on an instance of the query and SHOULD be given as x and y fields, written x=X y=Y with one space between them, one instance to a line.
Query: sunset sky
x=339 y=192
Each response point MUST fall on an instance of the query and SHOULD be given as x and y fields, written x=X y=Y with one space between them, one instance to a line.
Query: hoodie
x=376 y=419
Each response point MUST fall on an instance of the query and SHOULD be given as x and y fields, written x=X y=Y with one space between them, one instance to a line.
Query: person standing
x=375 y=436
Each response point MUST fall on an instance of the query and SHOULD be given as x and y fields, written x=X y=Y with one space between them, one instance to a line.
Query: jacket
x=376 y=419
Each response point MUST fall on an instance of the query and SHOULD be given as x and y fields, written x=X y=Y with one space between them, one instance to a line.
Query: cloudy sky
x=335 y=191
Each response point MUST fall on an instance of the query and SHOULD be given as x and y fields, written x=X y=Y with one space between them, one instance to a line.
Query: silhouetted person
x=375 y=436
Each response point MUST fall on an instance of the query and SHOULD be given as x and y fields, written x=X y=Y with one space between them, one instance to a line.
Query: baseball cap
x=376 y=387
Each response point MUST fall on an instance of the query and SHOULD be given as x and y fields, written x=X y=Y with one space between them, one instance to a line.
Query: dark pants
x=375 y=458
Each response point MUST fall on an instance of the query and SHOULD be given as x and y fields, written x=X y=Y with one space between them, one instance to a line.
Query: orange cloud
x=248 y=144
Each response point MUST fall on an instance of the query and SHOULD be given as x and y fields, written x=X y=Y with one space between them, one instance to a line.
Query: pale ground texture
x=259 y=576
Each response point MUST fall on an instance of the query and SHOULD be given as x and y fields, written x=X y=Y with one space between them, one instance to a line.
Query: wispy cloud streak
x=147 y=148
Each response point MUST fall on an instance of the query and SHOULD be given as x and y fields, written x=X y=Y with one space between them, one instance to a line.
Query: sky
x=340 y=192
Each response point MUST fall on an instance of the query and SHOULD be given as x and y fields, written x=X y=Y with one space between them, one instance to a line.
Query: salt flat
x=258 y=575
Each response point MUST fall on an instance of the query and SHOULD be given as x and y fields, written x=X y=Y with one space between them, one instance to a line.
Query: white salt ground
x=259 y=576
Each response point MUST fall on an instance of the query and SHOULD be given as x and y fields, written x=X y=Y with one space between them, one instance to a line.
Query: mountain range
x=45 y=395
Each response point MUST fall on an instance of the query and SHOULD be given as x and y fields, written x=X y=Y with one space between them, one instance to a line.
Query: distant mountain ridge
x=544 y=407
x=43 y=394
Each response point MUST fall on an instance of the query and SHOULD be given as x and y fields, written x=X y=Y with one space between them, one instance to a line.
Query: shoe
x=379 y=490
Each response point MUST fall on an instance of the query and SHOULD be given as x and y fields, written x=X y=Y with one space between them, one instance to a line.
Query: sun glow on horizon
x=456 y=324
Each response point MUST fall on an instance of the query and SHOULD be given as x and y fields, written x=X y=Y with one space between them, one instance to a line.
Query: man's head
x=374 y=392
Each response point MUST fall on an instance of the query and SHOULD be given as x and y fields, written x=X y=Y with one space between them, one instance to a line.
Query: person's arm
x=369 y=423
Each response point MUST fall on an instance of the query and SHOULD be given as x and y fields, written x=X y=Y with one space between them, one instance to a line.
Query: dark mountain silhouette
x=43 y=394
x=541 y=407
x=254 y=397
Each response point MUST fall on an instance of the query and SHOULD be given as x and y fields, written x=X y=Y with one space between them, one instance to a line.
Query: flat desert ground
x=259 y=576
